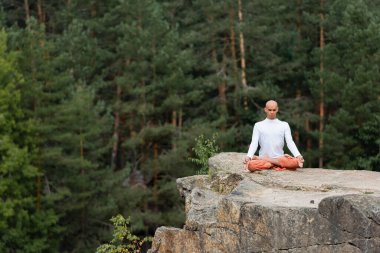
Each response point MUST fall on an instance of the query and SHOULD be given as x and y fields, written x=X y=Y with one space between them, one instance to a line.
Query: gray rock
x=308 y=210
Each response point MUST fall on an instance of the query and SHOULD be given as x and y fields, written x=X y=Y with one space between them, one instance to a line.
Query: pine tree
x=148 y=75
x=81 y=139
x=351 y=77
x=113 y=95
x=28 y=223
x=73 y=129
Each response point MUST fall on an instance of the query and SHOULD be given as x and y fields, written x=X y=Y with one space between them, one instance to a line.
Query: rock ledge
x=308 y=210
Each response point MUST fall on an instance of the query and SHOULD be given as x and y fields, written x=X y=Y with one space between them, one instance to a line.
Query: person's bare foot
x=273 y=161
x=300 y=161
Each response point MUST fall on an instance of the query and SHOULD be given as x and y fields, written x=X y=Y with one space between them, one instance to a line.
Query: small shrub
x=203 y=150
x=123 y=240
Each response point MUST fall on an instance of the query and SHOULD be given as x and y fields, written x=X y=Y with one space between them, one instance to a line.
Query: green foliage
x=351 y=87
x=27 y=222
x=123 y=240
x=23 y=228
x=204 y=148
x=81 y=150
x=73 y=134
x=101 y=101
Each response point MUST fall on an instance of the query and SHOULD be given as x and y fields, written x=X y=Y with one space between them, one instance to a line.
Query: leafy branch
x=204 y=148
x=123 y=240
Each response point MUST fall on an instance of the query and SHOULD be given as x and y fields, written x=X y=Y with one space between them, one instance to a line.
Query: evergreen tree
x=110 y=97
x=79 y=171
x=28 y=223
x=353 y=77
x=73 y=129
x=148 y=74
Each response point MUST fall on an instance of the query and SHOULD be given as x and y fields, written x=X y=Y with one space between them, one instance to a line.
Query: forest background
x=101 y=102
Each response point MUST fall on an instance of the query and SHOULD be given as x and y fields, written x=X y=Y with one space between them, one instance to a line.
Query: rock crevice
x=308 y=210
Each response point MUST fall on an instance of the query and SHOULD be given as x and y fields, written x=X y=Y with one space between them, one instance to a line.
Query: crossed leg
x=281 y=163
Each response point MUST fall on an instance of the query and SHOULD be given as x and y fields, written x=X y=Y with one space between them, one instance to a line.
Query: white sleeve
x=289 y=142
x=254 y=143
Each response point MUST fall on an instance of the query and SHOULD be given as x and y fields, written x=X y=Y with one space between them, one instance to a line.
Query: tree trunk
x=297 y=49
x=222 y=85
x=321 y=102
x=81 y=148
x=296 y=132
x=235 y=69
x=82 y=173
x=93 y=9
x=155 y=175
x=180 y=119
x=116 y=137
x=233 y=48
x=233 y=43
x=27 y=10
x=174 y=118
x=174 y=124
x=220 y=73
x=40 y=12
x=242 y=57
x=308 y=164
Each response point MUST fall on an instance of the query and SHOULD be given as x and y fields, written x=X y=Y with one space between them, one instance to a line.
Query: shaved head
x=271 y=109
x=271 y=103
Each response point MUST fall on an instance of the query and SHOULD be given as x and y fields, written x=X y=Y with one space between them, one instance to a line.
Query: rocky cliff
x=308 y=210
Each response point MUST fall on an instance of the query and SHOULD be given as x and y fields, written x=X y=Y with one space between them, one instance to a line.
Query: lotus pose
x=270 y=135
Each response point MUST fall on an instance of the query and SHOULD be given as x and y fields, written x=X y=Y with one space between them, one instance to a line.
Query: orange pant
x=286 y=162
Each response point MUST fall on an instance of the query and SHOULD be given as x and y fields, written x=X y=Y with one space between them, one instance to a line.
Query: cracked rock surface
x=308 y=210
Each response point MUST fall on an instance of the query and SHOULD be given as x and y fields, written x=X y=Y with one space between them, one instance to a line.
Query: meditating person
x=270 y=135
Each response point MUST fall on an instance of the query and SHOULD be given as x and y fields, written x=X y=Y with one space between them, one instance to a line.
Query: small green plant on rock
x=123 y=240
x=204 y=148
